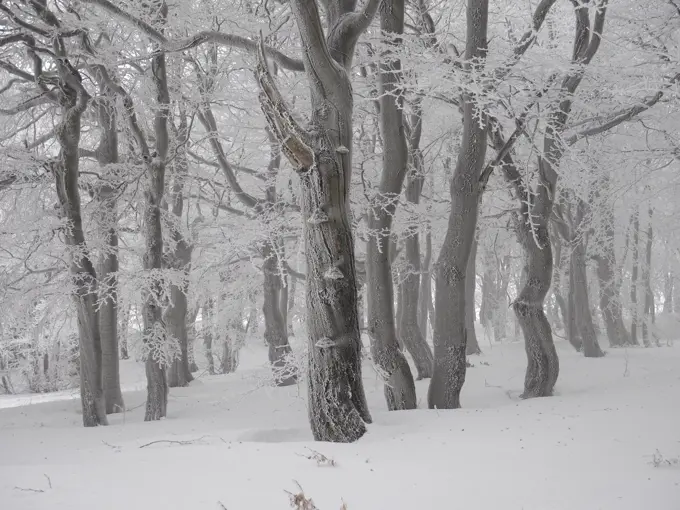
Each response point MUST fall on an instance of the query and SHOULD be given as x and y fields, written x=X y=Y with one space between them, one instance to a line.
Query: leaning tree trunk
x=450 y=337
x=409 y=330
x=470 y=287
x=400 y=391
x=66 y=171
x=323 y=159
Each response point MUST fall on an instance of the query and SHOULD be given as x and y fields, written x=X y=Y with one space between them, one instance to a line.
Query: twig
x=179 y=442
x=28 y=489
x=48 y=480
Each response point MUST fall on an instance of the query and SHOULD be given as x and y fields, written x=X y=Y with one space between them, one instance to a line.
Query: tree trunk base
x=448 y=378
x=157 y=391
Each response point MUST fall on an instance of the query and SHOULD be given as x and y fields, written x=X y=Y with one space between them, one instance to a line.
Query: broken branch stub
x=294 y=140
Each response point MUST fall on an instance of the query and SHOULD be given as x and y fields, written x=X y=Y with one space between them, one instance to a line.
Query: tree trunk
x=179 y=373
x=107 y=220
x=290 y=305
x=450 y=337
x=400 y=391
x=425 y=292
x=410 y=332
x=668 y=292
x=155 y=335
x=124 y=332
x=609 y=282
x=470 y=288
x=275 y=329
x=648 y=318
x=207 y=332
x=578 y=291
x=66 y=171
x=634 y=308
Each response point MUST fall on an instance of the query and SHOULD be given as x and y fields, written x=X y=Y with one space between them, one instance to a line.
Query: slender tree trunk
x=648 y=318
x=470 y=288
x=275 y=332
x=634 y=307
x=609 y=282
x=579 y=290
x=410 y=332
x=450 y=336
x=124 y=332
x=500 y=318
x=669 y=281
x=207 y=332
x=425 y=293
x=291 y=306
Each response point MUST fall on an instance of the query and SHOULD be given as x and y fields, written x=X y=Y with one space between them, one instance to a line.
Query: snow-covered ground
x=609 y=439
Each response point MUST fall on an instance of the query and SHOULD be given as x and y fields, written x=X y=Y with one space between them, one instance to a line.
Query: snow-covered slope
x=607 y=440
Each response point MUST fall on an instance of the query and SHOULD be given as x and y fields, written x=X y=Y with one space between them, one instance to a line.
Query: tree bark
x=472 y=346
x=74 y=101
x=634 y=307
x=207 y=332
x=155 y=334
x=107 y=219
x=425 y=292
x=648 y=317
x=609 y=282
x=669 y=281
x=578 y=290
x=179 y=259
x=410 y=332
x=400 y=391
x=275 y=329
x=450 y=337
x=323 y=158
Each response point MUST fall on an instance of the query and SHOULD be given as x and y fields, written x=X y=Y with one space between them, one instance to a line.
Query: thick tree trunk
x=155 y=335
x=400 y=391
x=470 y=287
x=409 y=330
x=275 y=329
x=107 y=218
x=450 y=303
x=66 y=171
x=634 y=307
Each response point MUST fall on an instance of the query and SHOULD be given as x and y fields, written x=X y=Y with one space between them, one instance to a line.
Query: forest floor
x=608 y=439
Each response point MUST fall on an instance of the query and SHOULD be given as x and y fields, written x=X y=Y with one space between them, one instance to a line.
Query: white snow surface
x=608 y=439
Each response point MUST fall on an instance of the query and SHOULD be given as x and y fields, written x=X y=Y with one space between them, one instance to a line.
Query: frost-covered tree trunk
x=408 y=326
x=275 y=329
x=450 y=304
x=400 y=391
x=669 y=281
x=472 y=346
x=155 y=335
x=207 y=332
x=634 y=307
x=74 y=100
x=124 y=331
x=107 y=218
x=609 y=283
x=425 y=293
x=648 y=317
x=179 y=259
x=322 y=157
x=578 y=290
